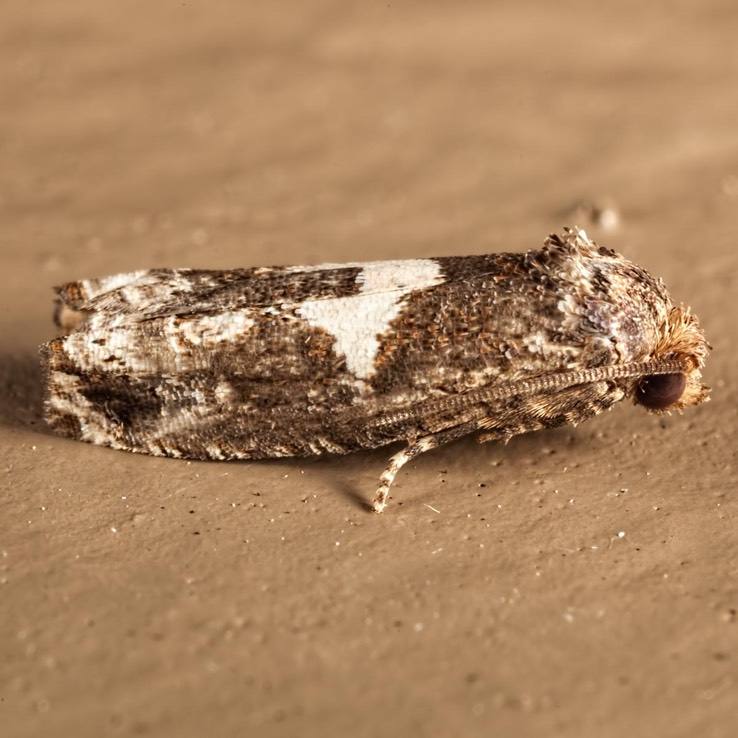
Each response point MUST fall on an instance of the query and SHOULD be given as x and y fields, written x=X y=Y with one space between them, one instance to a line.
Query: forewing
x=161 y=292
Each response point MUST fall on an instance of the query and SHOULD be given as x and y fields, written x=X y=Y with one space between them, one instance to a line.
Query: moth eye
x=659 y=391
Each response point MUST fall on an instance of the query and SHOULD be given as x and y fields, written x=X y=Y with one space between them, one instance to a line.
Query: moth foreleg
x=568 y=406
x=426 y=443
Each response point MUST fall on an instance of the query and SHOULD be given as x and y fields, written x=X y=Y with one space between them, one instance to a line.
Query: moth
x=300 y=361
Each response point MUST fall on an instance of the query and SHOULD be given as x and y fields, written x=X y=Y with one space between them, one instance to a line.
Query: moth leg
x=426 y=443
x=569 y=406
x=502 y=436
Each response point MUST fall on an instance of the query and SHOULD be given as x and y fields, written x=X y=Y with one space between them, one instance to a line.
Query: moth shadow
x=342 y=475
x=355 y=496
x=21 y=396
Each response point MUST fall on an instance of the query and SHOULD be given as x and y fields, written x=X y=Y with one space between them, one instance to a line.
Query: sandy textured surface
x=582 y=582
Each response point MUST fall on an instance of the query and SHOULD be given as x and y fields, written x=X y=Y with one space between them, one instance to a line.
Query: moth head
x=682 y=340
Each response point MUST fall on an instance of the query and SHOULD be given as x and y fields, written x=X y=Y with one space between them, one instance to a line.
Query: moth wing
x=159 y=293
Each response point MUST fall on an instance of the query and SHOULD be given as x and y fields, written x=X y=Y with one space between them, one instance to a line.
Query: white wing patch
x=357 y=322
x=210 y=330
x=96 y=287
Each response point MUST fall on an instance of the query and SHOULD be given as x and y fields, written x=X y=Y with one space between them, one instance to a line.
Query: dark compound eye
x=659 y=391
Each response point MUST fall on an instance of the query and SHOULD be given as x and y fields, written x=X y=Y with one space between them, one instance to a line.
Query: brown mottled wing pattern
x=297 y=361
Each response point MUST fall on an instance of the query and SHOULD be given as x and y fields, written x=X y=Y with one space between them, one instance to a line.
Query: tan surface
x=156 y=597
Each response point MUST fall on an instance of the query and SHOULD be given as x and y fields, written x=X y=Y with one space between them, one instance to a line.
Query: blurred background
x=224 y=134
